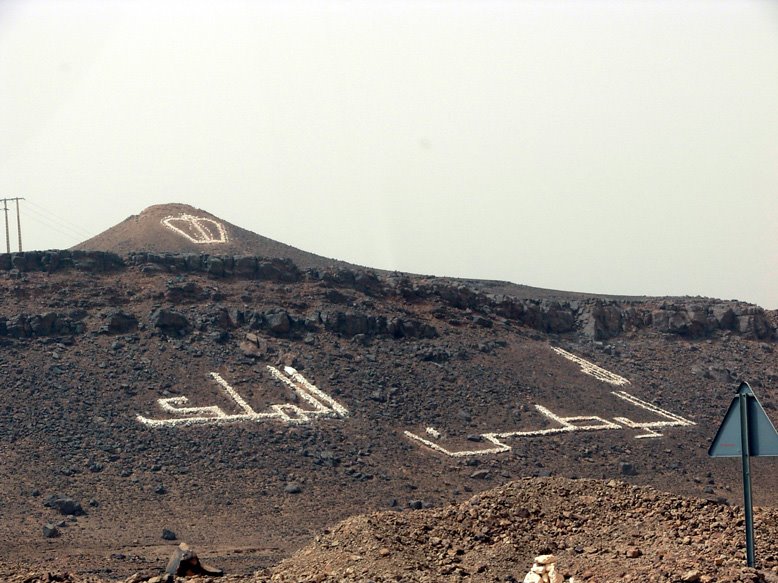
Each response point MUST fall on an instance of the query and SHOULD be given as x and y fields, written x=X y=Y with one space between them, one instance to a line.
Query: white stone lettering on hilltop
x=565 y=424
x=592 y=369
x=673 y=420
x=320 y=403
x=201 y=230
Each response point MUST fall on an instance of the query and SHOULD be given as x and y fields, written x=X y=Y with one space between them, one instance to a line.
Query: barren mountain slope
x=181 y=228
x=246 y=401
x=102 y=368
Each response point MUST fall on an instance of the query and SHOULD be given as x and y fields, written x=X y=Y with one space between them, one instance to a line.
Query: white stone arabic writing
x=592 y=369
x=567 y=424
x=321 y=405
x=673 y=419
x=200 y=230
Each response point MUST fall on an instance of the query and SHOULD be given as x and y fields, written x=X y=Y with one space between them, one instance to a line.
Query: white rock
x=539 y=569
x=545 y=559
x=533 y=578
x=554 y=576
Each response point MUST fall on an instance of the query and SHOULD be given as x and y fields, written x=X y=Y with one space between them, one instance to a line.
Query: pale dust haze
x=609 y=147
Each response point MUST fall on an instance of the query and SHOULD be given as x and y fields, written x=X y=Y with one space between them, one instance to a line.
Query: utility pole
x=18 y=223
x=7 y=237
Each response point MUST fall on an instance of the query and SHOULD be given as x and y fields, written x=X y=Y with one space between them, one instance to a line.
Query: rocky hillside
x=181 y=228
x=245 y=402
x=596 y=318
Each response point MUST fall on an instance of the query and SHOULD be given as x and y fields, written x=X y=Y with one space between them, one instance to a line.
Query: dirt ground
x=458 y=433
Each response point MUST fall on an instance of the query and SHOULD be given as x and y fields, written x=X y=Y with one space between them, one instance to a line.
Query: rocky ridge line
x=596 y=318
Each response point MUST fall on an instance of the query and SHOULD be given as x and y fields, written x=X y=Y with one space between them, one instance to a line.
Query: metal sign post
x=748 y=506
x=746 y=431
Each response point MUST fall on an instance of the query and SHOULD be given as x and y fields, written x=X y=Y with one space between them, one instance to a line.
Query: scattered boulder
x=253 y=345
x=293 y=488
x=168 y=534
x=119 y=322
x=64 y=505
x=633 y=553
x=349 y=324
x=50 y=531
x=481 y=475
x=185 y=563
x=481 y=321
x=188 y=291
x=43 y=324
x=169 y=321
x=278 y=322
x=336 y=297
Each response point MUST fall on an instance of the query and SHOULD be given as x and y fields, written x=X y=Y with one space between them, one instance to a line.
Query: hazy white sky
x=626 y=147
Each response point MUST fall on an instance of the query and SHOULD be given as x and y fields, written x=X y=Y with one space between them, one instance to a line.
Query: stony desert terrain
x=296 y=419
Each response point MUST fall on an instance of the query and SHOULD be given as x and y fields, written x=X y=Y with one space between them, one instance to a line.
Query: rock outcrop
x=598 y=319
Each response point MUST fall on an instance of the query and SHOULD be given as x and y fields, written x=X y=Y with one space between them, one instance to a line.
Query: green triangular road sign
x=762 y=436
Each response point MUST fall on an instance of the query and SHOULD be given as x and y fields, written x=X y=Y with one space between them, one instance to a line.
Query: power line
x=59 y=226
x=18 y=223
x=42 y=216
x=51 y=227
x=72 y=227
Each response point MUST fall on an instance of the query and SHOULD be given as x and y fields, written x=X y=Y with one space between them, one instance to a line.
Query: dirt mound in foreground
x=599 y=531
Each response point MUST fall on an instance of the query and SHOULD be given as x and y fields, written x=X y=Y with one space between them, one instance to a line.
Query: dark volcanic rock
x=184 y=563
x=168 y=534
x=169 y=321
x=64 y=505
x=119 y=322
x=348 y=324
x=690 y=321
x=755 y=325
x=278 y=322
x=245 y=265
x=50 y=531
x=601 y=321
